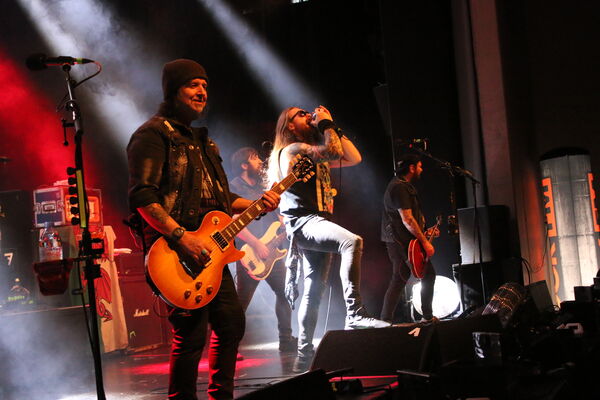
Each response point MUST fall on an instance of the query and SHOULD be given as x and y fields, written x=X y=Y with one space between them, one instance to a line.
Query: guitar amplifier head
x=130 y=264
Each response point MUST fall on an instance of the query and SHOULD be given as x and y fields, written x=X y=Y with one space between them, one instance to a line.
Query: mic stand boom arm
x=454 y=170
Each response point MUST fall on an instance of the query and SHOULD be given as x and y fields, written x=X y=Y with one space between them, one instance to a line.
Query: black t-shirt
x=399 y=194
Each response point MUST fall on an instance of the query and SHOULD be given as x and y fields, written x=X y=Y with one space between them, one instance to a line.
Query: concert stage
x=406 y=361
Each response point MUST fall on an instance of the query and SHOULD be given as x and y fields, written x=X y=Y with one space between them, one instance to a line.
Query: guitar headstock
x=302 y=168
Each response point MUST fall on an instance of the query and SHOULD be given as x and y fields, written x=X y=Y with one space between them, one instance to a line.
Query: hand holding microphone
x=321 y=113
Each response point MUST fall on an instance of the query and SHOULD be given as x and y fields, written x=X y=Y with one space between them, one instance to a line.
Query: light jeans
x=316 y=241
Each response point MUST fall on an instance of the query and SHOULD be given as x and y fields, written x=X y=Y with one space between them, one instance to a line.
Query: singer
x=307 y=208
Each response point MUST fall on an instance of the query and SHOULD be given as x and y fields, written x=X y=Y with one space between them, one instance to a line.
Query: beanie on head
x=177 y=72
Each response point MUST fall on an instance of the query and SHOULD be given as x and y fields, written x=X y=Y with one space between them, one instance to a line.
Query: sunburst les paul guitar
x=184 y=283
x=416 y=255
x=259 y=268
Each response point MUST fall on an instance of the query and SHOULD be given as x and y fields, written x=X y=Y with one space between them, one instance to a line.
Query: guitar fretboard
x=255 y=209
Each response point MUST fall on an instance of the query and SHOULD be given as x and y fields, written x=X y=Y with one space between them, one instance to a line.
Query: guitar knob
x=209 y=290
x=198 y=285
x=187 y=294
x=198 y=298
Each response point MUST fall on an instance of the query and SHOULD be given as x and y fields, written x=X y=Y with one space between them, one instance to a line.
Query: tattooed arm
x=339 y=151
x=413 y=227
x=159 y=219
x=349 y=153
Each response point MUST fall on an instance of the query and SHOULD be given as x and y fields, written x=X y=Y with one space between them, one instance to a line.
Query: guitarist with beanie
x=403 y=222
x=175 y=179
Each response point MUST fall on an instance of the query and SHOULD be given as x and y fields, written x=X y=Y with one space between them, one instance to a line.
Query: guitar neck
x=255 y=209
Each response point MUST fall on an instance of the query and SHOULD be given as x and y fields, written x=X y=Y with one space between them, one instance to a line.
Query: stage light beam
x=283 y=86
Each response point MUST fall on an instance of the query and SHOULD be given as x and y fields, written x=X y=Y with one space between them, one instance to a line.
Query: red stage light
x=31 y=132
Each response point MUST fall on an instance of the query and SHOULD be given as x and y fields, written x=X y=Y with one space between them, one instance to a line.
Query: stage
x=406 y=361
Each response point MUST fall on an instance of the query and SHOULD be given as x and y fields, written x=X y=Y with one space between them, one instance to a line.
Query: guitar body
x=257 y=268
x=184 y=283
x=416 y=258
x=416 y=254
x=180 y=280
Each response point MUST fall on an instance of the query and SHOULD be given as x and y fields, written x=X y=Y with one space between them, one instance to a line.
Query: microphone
x=39 y=61
x=416 y=141
x=420 y=143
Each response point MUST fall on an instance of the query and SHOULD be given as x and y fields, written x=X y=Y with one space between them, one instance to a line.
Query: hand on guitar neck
x=430 y=234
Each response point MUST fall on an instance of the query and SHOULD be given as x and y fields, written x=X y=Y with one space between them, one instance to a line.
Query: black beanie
x=178 y=72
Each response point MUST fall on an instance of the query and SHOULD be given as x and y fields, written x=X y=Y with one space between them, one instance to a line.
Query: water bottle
x=50 y=245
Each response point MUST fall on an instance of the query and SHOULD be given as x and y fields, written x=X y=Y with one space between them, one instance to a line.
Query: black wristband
x=325 y=124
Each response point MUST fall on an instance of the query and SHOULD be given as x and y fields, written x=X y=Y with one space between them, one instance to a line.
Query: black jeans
x=400 y=273
x=226 y=318
x=246 y=286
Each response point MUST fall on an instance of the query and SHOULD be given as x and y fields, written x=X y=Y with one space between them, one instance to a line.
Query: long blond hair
x=283 y=137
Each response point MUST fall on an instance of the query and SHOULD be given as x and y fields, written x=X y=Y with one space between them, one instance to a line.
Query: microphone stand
x=454 y=170
x=86 y=251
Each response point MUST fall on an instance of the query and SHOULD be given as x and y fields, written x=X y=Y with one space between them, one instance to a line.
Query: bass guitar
x=184 y=283
x=258 y=268
x=416 y=254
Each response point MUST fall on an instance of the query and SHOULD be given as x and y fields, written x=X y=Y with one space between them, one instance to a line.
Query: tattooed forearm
x=331 y=150
x=157 y=212
x=158 y=218
x=411 y=224
x=333 y=143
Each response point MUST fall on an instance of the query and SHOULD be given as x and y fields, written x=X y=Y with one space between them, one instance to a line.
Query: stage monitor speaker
x=494 y=229
x=415 y=347
x=380 y=351
x=453 y=340
x=145 y=314
x=312 y=385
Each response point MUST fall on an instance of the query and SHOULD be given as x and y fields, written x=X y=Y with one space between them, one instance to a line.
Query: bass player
x=265 y=248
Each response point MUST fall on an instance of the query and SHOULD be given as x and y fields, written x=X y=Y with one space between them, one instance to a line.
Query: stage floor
x=146 y=375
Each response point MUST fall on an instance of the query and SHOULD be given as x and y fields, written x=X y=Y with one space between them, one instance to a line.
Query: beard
x=256 y=174
x=311 y=135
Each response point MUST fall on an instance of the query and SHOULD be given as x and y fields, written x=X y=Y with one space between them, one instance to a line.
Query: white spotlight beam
x=83 y=28
x=284 y=88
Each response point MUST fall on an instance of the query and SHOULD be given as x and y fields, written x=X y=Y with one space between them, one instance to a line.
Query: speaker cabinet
x=469 y=277
x=312 y=385
x=493 y=222
x=145 y=314
x=414 y=347
x=16 y=259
